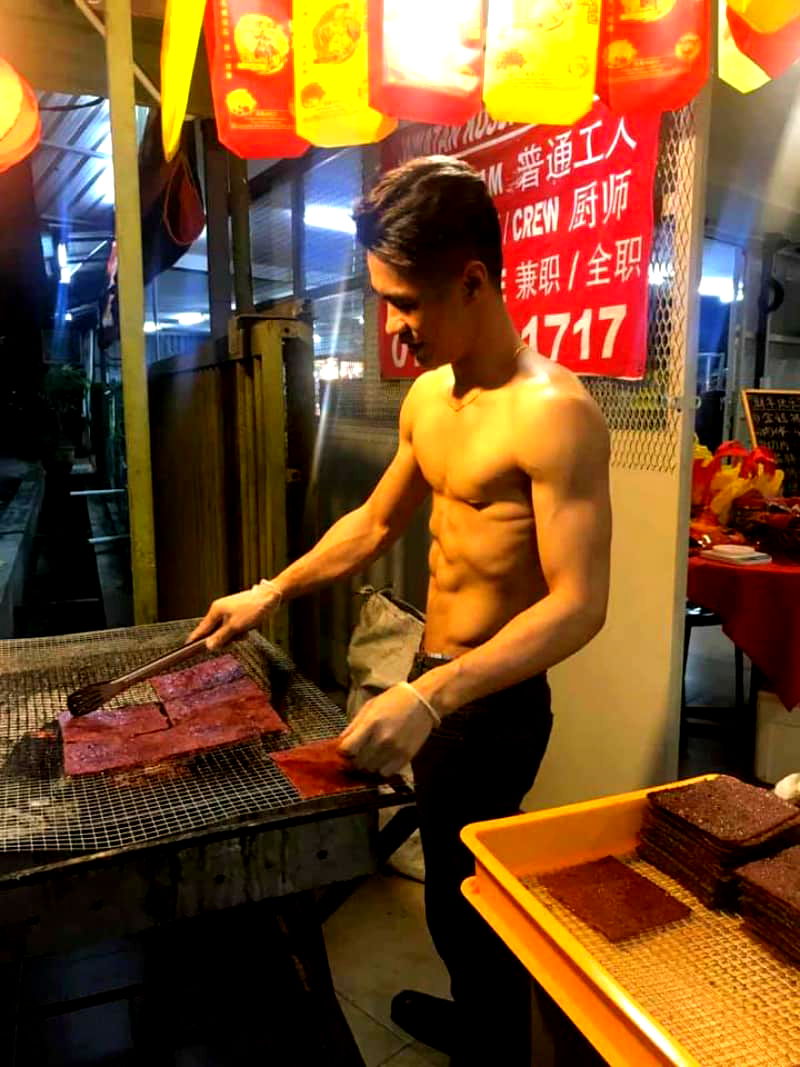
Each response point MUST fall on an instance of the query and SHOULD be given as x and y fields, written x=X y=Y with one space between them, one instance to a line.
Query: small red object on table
x=760 y=611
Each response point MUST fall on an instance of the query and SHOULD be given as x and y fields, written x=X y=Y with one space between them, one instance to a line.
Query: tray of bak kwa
x=665 y=922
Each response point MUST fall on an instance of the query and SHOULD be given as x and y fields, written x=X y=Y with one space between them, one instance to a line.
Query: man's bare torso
x=484 y=562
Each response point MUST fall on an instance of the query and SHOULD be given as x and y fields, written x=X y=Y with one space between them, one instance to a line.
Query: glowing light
x=718 y=286
x=325 y=217
x=190 y=318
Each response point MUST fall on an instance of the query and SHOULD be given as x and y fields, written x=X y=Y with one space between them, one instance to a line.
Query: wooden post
x=119 y=59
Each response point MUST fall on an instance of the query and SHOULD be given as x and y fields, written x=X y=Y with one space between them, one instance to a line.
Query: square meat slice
x=240 y=700
x=112 y=723
x=114 y=753
x=206 y=675
x=193 y=737
x=614 y=898
x=317 y=769
x=190 y=737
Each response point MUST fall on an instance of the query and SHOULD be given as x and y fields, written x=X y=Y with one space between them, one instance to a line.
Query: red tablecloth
x=760 y=611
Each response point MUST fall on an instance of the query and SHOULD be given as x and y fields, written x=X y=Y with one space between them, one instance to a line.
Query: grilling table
x=204 y=880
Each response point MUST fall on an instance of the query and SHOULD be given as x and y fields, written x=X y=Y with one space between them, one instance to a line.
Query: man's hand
x=387 y=732
x=231 y=616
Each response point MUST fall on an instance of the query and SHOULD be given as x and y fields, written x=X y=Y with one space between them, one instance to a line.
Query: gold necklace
x=459 y=403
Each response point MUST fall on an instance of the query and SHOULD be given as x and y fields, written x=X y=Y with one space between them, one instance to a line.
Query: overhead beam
x=76 y=149
x=119 y=53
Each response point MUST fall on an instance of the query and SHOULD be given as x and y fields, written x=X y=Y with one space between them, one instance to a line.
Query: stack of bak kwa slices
x=700 y=833
x=770 y=900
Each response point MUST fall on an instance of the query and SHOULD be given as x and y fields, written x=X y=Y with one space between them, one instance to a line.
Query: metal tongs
x=91 y=697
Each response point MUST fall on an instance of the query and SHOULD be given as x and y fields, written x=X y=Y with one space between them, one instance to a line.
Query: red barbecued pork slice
x=207 y=675
x=317 y=769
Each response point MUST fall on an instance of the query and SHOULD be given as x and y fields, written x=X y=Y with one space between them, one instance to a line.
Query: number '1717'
x=561 y=321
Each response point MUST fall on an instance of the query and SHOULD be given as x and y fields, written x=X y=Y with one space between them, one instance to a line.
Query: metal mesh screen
x=644 y=417
x=271 y=243
x=717 y=990
x=330 y=189
x=42 y=809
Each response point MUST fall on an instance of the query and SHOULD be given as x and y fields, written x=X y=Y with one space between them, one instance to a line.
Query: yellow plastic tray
x=704 y=968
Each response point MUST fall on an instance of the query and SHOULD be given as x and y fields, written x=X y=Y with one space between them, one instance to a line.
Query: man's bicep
x=574 y=532
x=572 y=506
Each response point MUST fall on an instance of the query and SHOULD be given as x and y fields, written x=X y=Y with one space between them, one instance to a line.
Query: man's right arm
x=349 y=546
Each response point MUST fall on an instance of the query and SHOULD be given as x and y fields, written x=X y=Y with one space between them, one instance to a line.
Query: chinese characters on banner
x=576 y=212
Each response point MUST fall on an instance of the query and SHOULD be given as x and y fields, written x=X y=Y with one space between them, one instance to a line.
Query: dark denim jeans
x=477 y=765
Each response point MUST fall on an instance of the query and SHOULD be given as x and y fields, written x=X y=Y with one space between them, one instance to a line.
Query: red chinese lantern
x=773 y=52
x=654 y=54
x=23 y=130
x=249 y=46
x=426 y=59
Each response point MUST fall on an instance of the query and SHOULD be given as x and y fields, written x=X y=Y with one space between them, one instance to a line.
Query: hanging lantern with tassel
x=331 y=75
x=433 y=76
x=20 y=123
x=252 y=77
x=541 y=60
x=654 y=54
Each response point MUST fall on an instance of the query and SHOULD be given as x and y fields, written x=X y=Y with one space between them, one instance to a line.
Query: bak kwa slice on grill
x=231 y=713
x=699 y=833
x=106 y=723
x=189 y=738
x=238 y=700
x=317 y=769
x=614 y=898
x=770 y=899
x=207 y=675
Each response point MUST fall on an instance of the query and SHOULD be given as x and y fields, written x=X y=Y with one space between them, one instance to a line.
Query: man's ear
x=475 y=278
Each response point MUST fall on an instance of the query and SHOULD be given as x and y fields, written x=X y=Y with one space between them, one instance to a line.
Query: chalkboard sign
x=773 y=418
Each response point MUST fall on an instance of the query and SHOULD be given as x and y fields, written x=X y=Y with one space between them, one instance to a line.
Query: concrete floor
x=378 y=944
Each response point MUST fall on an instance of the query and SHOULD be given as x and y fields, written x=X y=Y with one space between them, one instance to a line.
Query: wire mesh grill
x=712 y=987
x=644 y=417
x=42 y=809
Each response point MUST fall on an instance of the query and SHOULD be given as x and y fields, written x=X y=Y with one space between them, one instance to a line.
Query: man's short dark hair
x=429 y=217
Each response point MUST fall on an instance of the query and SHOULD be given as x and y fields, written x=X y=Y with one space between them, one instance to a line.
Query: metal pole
x=240 y=232
x=217 y=239
x=119 y=60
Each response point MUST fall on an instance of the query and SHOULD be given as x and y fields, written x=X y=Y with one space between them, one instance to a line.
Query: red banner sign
x=576 y=210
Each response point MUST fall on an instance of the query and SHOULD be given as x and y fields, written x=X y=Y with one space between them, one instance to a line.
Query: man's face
x=435 y=321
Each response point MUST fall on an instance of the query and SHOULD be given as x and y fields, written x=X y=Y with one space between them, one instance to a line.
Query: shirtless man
x=515 y=454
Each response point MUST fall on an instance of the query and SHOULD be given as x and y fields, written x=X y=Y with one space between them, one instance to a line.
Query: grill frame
x=217 y=792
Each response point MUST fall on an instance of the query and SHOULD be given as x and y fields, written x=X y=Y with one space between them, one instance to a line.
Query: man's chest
x=470 y=454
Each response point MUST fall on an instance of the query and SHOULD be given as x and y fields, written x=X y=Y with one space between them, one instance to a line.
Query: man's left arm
x=564 y=448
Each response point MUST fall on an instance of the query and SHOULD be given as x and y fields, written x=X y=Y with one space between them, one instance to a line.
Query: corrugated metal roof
x=72 y=166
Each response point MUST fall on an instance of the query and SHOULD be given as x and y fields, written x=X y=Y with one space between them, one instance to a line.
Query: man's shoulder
x=542 y=387
x=430 y=383
x=554 y=412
